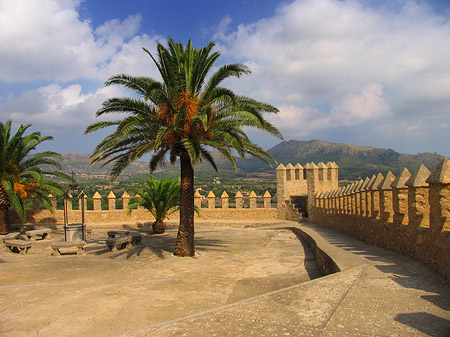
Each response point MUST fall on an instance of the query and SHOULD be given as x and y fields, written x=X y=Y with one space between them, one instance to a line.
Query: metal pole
x=82 y=215
x=66 y=220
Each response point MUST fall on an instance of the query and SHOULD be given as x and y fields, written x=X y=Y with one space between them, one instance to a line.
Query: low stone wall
x=99 y=218
x=323 y=260
x=409 y=214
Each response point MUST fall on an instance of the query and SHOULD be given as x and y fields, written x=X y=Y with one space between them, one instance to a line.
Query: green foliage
x=159 y=197
x=23 y=173
x=184 y=114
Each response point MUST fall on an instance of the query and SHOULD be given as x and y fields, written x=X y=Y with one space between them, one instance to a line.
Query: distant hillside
x=354 y=161
x=80 y=164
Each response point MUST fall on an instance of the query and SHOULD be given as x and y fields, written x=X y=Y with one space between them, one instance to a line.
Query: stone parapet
x=409 y=214
x=305 y=181
x=257 y=208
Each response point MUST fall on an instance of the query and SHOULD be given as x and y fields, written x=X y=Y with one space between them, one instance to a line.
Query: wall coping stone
x=400 y=181
x=376 y=183
x=289 y=166
x=358 y=186
x=441 y=175
x=311 y=166
x=387 y=182
x=418 y=179
x=347 y=188
x=366 y=183
x=332 y=164
x=372 y=179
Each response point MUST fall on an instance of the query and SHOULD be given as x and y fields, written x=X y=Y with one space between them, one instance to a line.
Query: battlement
x=245 y=205
x=305 y=181
x=409 y=214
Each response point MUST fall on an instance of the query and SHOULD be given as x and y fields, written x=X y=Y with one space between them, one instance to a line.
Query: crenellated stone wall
x=299 y=181
x=408 y=214
x=258 y=208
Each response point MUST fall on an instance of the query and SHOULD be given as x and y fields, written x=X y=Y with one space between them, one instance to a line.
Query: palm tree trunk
x=3 y=221
x=185 y=239
x=4 y=206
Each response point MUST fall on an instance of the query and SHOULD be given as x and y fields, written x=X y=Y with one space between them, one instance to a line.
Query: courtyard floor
x=244 y=281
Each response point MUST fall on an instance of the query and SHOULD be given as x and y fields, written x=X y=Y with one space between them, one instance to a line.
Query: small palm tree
x=23 y=174
x=183 y=117
x=160 y=197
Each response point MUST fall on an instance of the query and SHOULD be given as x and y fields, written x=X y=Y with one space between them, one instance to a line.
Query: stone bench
x=18 y=246
x=44 y=233
x=56 y=246
x=119 y=241
x=113 y=234
x=136 y=238
x=10 y=236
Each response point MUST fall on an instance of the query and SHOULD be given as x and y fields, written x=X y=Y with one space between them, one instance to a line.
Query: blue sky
x=373 y=73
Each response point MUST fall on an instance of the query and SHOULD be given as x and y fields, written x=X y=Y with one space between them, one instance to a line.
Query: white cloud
x=323 y=49
x=132 y=59
x=54 y=109
x=47 y=40
x=352 y=110
x=329 y=64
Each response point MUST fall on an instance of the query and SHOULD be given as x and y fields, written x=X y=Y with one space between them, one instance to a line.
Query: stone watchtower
x=297 y=185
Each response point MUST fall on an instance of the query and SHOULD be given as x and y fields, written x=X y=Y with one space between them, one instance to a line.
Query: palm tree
x=23 y=174
x=160 y=197
x=182 y=117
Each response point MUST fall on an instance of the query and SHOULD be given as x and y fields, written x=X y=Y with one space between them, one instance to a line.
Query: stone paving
x=244 y=282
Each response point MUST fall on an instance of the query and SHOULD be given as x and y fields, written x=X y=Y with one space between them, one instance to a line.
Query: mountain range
x=354 y=162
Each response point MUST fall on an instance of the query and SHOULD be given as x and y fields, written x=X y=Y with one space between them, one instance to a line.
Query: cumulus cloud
x=64 y=47
x=132 y=59
x=352 y=110
x=55 y=109
x=70 y=56
x=331 y=64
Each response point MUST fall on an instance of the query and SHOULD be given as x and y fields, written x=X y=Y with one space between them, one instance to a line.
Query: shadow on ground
x=159 y=245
